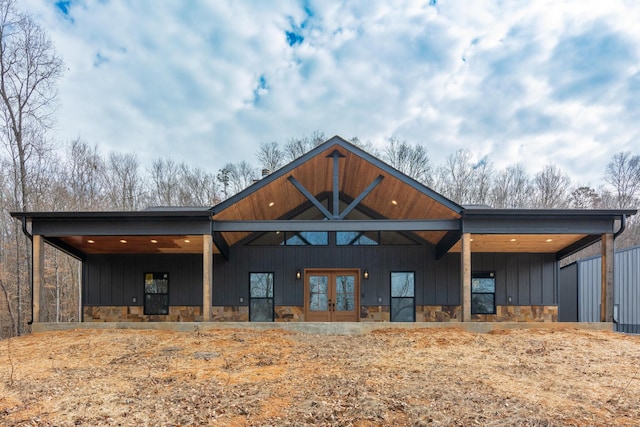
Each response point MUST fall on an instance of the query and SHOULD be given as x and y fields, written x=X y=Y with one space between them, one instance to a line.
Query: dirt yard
x=252 y=378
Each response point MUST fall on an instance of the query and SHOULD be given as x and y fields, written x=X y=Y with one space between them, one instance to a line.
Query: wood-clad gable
x=394 y=197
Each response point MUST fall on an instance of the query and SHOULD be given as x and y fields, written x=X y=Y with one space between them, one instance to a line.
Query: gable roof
x=395 y=196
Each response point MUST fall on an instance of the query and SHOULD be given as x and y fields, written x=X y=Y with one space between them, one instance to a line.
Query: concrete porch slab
x=348 y=328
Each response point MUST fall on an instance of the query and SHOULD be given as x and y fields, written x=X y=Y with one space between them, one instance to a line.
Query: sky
x=205 y=82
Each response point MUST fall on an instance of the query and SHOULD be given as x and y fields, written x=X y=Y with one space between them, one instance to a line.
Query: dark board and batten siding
x=115 y=280
x=379 y=261
x=529 y=279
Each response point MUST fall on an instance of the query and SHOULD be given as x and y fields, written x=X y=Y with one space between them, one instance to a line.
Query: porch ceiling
x=530 y=243
x=135 y=244
x=392 y=198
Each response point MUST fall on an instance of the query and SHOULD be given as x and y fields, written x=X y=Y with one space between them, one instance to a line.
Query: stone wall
x=520 y=313
x=230 y=313
x=286 y=313
x=375 y=313
x=136 y=314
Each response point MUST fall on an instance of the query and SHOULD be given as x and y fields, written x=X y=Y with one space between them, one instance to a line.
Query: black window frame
x=397 y=298
x=252 y=298
x=146 y=304
x=483 y=275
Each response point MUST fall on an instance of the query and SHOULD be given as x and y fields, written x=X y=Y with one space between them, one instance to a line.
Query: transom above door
x=332 y=295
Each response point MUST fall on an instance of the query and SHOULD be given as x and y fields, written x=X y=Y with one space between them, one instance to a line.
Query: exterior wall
x=524 y=282
x=136 y=314
x=437 y=282
x=626 y=289
x=118 y=280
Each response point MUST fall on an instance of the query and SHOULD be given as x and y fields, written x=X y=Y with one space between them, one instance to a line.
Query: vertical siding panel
x=511 y=277
x=524 y=281
x=453 y=279
x=501 y=279
x=589 y=278
x=536 y=279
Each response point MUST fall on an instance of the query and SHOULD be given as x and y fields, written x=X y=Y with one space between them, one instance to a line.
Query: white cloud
x=207 y=82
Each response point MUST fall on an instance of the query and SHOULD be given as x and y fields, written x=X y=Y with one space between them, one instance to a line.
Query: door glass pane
x=261 y=310
x=402 y=309
x=318 y=293
x=345 y=293
x=261 y=285
x=402 y=284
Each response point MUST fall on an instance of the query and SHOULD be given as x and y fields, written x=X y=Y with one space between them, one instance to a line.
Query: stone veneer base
x=378 y=313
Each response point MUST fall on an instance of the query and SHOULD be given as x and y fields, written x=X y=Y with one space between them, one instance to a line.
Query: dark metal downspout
x=623 y=226
x=30 y=236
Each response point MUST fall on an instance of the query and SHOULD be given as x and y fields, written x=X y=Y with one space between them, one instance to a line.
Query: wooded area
x=34 y=176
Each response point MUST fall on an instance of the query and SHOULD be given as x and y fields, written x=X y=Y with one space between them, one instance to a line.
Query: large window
x=483 y=293
x=403 y=296
x=156 y=293
x=261 y=297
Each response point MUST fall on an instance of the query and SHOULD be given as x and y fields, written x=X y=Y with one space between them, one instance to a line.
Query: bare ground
x=388 y=377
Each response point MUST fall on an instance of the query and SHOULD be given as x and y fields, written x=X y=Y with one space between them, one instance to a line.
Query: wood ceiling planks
x=355 y=175
x=530 y=243
x=136 y=244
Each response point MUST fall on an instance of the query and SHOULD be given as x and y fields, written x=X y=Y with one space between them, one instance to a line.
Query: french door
x=332 y=295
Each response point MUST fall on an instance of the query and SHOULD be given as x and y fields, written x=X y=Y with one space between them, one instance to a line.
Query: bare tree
x=86 y=172
x=551 y=186
x=296 y=147
x=270 y=156
x=29 y=70
x=124 y=186
x=164 y=187
x=368 y=146
x=623 y=174
x=464 y=181
x=511 y=188
x=197 y=187
x=241 y=175
x=412 y=160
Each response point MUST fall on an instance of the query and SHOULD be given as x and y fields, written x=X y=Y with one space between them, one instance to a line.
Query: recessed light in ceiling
x=271 y=204
x=549 y=240
x=91 y=241
x=123 y=241
x=512 y=240
x=393 y=202
x=187 y=241
x=154 y=241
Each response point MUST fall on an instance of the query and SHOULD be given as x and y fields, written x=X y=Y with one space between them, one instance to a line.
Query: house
x=580 y=290
x=335 y=236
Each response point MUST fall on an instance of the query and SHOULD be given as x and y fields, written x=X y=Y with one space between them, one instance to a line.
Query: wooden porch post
x=38 y=274
x=80 y=307
x=606 y=296
x=465 y=272
x=207 y=276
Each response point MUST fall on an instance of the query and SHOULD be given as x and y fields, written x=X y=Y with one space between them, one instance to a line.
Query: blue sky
x=532 y=82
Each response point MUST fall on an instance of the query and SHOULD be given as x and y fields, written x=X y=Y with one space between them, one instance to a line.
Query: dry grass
x=389 y=377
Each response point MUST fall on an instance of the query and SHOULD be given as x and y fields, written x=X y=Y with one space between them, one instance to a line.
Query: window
x=483 y=293
x=261 y=297
x=403 y=297
x=307 y=238
x=353 y=238
x=156 y=293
